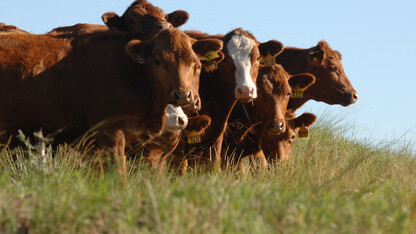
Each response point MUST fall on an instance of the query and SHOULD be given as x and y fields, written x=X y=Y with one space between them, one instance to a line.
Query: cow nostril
x=355 y=96
x=181 y=122
x=197 y=103
x=177 y=95
x=240 y=91
x=280 y=124
x=189 y=96
x=251 y=92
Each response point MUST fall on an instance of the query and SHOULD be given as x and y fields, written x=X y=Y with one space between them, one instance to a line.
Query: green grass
x=330 y=185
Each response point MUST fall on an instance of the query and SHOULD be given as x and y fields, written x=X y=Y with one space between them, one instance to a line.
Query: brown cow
x=275 y=86
x=10 y=28
x=141 y=17
x=332 y=85
x=233 y=80
x=109 y=81
x=258 y=138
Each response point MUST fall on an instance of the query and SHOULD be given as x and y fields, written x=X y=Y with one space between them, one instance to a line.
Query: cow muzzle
x=182 y=98
x=276 y=126
x=347 y=98
x=245 y=93
x=161 y=26
x=193 y=106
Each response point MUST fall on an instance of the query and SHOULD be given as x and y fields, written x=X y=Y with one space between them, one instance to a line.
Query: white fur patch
x=173 y=114
x=239 y=48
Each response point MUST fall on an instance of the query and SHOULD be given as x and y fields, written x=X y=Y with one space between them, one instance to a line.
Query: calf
x=108 y=83
x=275 y=87
x=140 y=17
x=275 y=147
x=233 y=80
x=332 y=85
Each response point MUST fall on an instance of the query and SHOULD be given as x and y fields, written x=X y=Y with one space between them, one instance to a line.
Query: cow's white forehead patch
x=239 y=48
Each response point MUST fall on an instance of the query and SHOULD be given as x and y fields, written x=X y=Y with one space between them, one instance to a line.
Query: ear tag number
x=297 y=92
x=211 y=55
x=210 y=66
x=269 y=60
x=303 y=132
x=194 y=138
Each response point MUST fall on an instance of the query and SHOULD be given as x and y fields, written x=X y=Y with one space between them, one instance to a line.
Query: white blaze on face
x=176 y=120
x=239 y=48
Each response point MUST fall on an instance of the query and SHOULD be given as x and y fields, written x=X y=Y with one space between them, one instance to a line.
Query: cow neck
x=155 y=117
x=217 y=99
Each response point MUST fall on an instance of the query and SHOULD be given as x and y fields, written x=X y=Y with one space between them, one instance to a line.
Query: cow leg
x=263 y=161
x=184 y=167
x=119 y=154
x=216 y=154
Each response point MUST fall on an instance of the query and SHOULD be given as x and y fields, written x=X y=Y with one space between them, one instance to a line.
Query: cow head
x=332 y=85
x=280 y=146
x=172 y=61
x=175 y=119
x=143 y=17
x=274 y=88
x=242 y=56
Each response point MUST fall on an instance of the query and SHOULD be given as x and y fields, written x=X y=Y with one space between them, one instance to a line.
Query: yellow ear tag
x=297 y=92
x=303 y=132
x=269 y=60
x=211 y=55
x=210 y=66
x=315 y=59
x=194 y=138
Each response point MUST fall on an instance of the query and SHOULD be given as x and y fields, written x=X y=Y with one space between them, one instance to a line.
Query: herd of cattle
x=139 y=83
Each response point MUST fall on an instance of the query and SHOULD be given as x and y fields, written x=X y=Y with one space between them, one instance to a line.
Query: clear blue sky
x=376 y=38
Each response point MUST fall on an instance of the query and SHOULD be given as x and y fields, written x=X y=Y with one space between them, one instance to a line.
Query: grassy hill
x=330 y=185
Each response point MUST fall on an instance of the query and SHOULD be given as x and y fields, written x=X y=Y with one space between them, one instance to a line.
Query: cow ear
x=139 y=51
x=273 y=47
x=316 y=57
x=113 y=21
x=203 y=46
x=178 y=18
x=198 y=124
x=303 y=80
x=338 y=54
x=306 y=119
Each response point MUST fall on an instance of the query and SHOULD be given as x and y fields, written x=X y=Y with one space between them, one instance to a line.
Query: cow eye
x=333 y=68
x=288 y=94
x=166 y=17
x=157 y=62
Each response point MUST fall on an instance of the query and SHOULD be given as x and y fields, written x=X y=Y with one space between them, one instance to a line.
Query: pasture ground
x=331 y=185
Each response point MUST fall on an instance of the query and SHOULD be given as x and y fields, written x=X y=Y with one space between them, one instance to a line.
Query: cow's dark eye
x=157 y=62
x=333 y=68
x=288 y=94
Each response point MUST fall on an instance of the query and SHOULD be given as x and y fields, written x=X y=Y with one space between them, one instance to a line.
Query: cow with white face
x=232 y=79
x=240 y=49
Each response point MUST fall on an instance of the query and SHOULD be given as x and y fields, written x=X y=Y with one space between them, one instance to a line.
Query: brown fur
x=140 y=17
x=332 y=85
x=106 y=82
x=10 y=28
